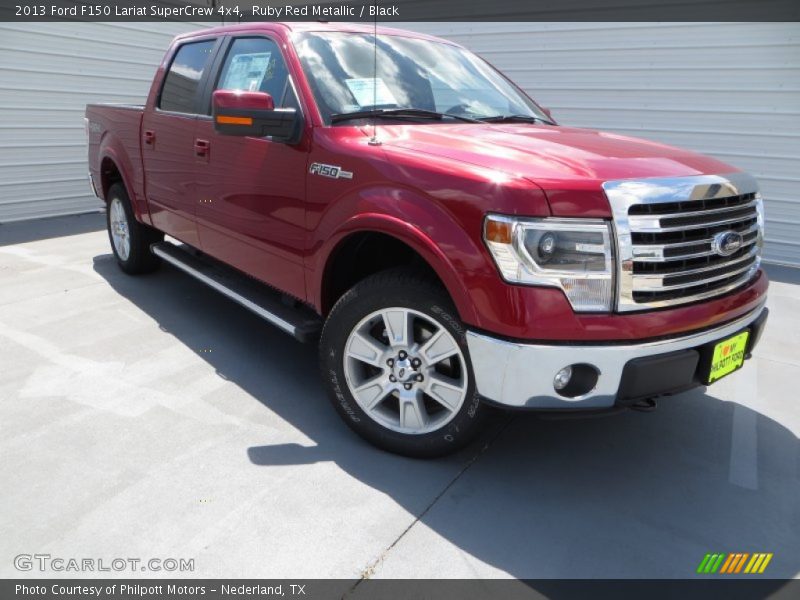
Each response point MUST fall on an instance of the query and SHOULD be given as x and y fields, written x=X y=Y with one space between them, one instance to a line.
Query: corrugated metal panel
x=48 y=73
x=731 y=90
x=727 y=89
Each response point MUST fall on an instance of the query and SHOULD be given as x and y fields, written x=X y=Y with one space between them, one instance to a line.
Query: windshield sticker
x=247 y=71
x=366 y=92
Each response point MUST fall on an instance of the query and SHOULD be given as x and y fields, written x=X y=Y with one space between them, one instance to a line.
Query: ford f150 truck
x=396 y=199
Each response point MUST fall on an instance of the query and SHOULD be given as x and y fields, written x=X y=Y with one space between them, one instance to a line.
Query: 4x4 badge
x=332 y=171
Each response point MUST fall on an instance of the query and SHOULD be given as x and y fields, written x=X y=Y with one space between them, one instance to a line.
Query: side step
x=303 y=323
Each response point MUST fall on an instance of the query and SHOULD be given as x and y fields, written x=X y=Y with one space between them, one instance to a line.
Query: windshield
x=411 y=73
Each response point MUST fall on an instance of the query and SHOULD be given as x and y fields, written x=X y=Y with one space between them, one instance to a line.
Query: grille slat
x=692 y=266
x=669 y=246
x=659 y=221
x=680 y=296
x=665 y=208
x=678 y=279
x=684 y=250
x=692 y=235
x=697 y=221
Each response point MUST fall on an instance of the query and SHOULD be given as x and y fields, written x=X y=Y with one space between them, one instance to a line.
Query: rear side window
x=180 y=85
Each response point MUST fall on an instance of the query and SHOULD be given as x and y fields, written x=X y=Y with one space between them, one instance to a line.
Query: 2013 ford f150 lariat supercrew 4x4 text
x=396 y=199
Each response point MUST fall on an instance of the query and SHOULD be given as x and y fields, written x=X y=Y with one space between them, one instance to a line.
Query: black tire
x=405 y=289
x=140 y=236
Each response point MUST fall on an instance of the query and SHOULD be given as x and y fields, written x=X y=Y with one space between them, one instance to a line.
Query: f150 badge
x=332 y=171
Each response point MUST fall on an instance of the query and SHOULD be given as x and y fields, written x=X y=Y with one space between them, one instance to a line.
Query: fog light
x=561 y=380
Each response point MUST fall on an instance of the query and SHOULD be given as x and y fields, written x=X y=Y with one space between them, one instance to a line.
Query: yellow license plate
x=728 y=356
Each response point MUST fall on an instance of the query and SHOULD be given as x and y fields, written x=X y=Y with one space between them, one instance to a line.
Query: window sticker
x=247 y=71
x=366 y=92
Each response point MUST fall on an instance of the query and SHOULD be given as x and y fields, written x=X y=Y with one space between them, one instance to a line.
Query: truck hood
x=557 y=159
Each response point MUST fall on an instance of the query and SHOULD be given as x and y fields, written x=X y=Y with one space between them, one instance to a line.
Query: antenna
x=374 y=141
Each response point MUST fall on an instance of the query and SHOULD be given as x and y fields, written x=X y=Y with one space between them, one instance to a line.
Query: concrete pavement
x=150 y=417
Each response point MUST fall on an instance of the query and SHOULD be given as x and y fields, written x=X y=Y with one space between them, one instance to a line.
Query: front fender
x=424 y=226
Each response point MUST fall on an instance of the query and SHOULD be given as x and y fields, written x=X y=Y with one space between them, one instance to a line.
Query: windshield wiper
x=418 y=113
x=515 y=119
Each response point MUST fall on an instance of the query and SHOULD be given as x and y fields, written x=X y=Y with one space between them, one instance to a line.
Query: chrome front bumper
x=521 y=375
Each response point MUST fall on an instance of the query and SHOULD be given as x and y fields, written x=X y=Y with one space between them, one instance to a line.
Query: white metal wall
x=48 y=73
x=726 y=89
x=731 y=90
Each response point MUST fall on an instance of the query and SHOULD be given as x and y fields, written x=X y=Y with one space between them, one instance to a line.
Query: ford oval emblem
x=727 y=242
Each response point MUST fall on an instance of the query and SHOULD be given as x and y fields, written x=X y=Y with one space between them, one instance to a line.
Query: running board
x=302 y=323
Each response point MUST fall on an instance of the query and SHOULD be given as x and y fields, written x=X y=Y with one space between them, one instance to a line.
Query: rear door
x=168 y=134
x=251 y=191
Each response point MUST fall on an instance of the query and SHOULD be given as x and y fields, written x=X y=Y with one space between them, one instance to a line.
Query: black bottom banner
x=394 y=589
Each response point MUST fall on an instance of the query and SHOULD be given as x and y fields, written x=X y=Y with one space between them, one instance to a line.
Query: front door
x=167 y=138
x=251 y=191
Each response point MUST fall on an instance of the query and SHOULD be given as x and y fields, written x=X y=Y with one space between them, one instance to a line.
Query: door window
x=180 y=85
x=256 y=65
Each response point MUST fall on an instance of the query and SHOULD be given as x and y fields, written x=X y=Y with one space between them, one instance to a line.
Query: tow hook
x=646 y=405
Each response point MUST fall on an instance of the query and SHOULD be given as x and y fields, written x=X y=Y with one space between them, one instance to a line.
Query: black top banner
x=233 y=11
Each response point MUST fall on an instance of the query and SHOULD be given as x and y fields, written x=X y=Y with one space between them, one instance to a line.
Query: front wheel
x=395 y=360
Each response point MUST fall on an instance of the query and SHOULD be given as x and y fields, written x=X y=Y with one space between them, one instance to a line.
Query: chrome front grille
x=677 y=238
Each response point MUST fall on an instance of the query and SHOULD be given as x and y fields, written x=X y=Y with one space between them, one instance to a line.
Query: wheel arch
x=116 y=166
x=379 y=242
x=110 y=174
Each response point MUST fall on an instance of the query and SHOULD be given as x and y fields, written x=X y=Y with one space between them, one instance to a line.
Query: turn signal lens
x=498 y=231
x=225 y=120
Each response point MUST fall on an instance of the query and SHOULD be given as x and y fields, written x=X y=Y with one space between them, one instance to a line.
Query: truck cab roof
x=304 y=26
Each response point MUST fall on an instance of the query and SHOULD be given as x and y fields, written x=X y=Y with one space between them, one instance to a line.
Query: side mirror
x=254 y=114
x=547 y=112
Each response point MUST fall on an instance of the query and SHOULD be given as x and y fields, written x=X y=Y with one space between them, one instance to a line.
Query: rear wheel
x=396 y=362
x=130 y=240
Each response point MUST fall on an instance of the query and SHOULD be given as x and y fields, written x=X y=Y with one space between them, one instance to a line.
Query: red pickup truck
x=396 y=199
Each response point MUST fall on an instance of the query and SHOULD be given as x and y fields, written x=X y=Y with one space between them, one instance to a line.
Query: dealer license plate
x=728 y=356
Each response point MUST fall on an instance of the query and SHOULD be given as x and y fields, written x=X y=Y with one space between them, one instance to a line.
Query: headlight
x=572 y=254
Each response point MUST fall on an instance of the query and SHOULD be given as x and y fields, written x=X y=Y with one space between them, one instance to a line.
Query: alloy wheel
x=120 y=232
x=405 y=370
